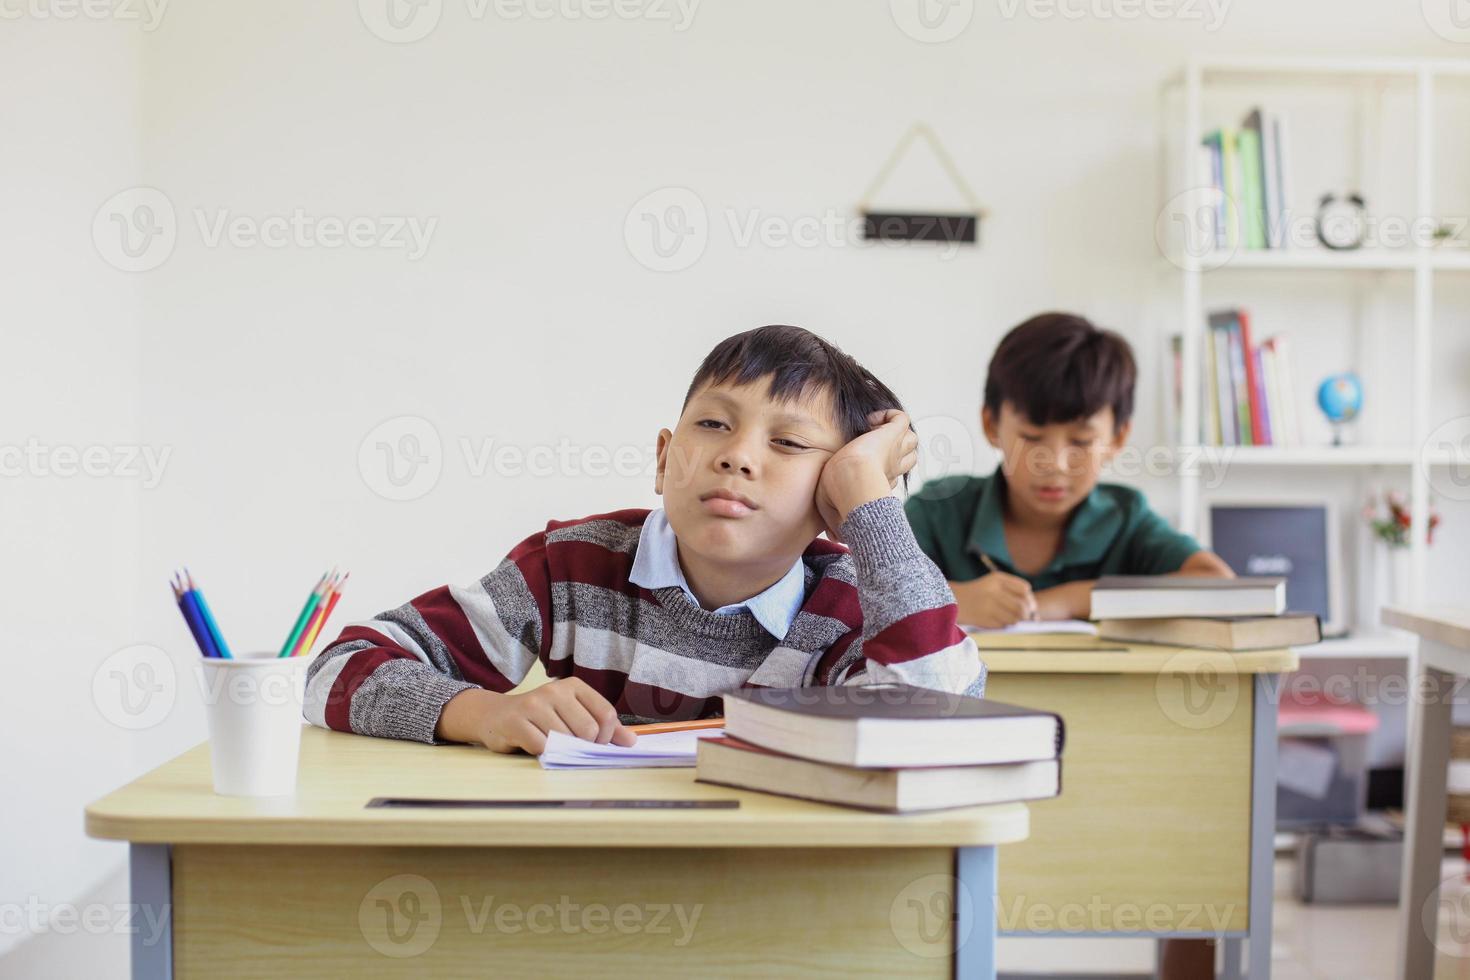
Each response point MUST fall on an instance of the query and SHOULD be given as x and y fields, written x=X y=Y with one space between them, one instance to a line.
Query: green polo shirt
x=1113 y=531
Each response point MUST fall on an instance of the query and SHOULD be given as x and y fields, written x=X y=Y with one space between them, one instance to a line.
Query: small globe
x=1341 y=397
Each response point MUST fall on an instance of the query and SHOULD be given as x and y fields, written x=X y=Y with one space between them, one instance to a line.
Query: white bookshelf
x=1376 y=456
x=1423 y=264
x=1443 y=259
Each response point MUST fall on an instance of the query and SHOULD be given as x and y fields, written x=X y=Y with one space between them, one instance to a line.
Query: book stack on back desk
x=1233 y=614
x=884 y=747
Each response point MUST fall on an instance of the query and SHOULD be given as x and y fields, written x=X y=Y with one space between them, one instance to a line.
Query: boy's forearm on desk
x=1070 y=601
x=463 y=717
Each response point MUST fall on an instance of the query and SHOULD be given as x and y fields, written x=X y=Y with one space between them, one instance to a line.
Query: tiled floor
x=1311 y=942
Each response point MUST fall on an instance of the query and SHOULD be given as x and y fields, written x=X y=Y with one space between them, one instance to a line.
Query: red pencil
x=308 y=636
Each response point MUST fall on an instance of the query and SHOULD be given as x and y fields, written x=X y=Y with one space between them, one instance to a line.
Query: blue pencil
x=192 y=598
x=214 y=633
x=194 y=621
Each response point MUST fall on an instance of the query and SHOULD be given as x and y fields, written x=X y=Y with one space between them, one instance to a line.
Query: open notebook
x=1034 y=626
x=660 y=750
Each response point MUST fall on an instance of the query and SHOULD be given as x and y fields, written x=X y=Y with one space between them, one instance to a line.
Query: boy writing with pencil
x=642 y=615
x=1029 y=541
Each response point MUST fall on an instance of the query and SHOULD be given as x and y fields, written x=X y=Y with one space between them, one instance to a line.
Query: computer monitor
x=1296 y=539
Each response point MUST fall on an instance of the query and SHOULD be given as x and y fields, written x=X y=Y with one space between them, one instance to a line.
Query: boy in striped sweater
x=644 y=615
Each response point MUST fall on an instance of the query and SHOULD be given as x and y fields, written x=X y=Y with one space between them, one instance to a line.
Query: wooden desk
x=1166 y=822
x=1444 y=654
x=317 y=886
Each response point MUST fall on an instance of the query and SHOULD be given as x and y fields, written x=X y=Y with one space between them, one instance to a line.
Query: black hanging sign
x=921 y=226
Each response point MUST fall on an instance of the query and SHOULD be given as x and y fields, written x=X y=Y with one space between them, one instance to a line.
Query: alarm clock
x=1342 y=221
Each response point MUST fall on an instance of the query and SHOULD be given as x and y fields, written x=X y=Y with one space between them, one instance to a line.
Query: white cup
x=253 y=706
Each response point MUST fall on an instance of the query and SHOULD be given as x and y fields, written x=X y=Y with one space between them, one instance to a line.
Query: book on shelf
x=1248 y=395
x=1252 y=201
x=1249 y=165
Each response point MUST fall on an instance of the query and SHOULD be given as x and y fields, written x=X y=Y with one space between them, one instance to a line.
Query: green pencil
x=306 y=611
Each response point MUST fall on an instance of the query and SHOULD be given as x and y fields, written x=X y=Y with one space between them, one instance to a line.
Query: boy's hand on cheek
x=867 y=468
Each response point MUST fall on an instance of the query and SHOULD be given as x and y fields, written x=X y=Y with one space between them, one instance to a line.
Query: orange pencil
x=694 y=725
x=320 y=619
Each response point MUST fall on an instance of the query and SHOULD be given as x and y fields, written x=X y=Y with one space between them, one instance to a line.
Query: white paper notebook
x=1031 y=626
x=656 y=751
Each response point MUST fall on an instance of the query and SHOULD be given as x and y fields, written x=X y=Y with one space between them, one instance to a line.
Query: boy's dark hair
x=1059 y=367
x=799 y=363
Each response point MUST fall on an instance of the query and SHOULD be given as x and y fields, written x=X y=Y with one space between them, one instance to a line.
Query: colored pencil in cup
x=221 y=646
x=306 y=611
x=320 y=618
x=195 y=624
x=318 y=615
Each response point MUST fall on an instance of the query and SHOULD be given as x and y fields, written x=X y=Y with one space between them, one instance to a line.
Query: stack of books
x=1249 y=165
x=1234 y=614
x=1250 y=398
x=886 y=747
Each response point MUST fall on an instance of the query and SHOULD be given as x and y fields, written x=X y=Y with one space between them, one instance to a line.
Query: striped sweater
x=876 y=610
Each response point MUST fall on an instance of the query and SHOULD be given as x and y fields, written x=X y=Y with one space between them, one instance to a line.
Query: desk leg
x=975 y=902
x=150 y=881
x=1263 y=825
x=1427 y=759
x=1231 y=963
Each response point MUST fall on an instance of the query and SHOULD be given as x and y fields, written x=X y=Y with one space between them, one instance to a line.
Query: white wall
x=529 y=320
x=69 y=379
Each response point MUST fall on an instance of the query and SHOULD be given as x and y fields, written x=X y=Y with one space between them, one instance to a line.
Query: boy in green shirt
x=1029 y=541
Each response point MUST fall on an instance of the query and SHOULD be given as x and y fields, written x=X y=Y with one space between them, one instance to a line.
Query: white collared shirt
x=656 y=566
